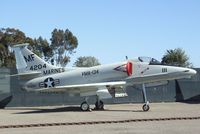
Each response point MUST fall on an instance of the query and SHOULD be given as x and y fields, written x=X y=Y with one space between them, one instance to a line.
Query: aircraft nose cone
x=192 y=71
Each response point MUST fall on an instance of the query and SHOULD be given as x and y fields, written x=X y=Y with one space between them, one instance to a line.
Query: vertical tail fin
x=27 y=61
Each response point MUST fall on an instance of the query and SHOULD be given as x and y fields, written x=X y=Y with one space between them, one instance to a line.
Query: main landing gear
x=99 y=105
x=146 y=106
x=85 y=106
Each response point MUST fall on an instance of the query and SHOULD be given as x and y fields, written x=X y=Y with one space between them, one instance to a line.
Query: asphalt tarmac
x=119 y=112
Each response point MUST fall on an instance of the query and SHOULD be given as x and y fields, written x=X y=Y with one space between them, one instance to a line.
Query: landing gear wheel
x=146 y=107
x=99 y=105
x=85 y=106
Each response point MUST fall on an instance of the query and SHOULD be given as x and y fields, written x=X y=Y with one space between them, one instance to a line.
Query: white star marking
x=49 y=83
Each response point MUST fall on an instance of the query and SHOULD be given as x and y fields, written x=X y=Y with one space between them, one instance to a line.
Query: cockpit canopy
x=149 y=60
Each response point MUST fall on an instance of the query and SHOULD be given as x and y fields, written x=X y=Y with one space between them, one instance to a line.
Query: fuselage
x=104 y=81
x=102 y=73
x=121 y=71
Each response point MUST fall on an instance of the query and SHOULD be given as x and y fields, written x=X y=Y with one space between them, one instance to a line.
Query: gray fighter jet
x=104 y=81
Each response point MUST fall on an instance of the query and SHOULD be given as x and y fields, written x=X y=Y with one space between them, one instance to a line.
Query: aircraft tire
x=145 y=107
x=85 y=106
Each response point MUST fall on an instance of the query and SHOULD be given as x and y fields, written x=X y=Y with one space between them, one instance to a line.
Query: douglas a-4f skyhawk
x=104 y=81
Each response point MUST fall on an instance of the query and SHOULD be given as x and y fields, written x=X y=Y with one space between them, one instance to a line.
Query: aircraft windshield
x=149 y=60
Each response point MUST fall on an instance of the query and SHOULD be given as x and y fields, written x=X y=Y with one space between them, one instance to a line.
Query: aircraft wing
x=117 y=83
x=84 y=89
x=157 y=77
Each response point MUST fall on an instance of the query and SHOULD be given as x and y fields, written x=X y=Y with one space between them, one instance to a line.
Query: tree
x=42 y=48
x=3 y=53
x=176 y=57
x=9 y=37
x=63 y=44
x=86 y=61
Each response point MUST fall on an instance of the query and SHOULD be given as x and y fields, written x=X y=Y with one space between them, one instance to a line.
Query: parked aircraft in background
x=104 y=81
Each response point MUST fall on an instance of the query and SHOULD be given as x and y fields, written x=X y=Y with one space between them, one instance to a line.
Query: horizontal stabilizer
x=27 y=75
x=20 y=45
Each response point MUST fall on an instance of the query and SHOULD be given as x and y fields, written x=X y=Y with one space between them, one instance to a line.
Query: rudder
x=27 y=61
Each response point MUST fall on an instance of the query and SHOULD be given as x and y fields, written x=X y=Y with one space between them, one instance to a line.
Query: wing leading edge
x=83 y=86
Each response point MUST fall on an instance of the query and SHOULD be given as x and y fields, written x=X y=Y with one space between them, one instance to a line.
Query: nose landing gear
x=146 y=106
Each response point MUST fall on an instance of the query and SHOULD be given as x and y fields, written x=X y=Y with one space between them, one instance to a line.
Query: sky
x=111 y=29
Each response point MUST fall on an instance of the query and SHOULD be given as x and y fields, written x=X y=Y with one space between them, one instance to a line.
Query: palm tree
x=176 y=57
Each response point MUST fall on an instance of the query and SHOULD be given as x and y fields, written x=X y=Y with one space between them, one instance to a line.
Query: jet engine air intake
x=129 y=68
